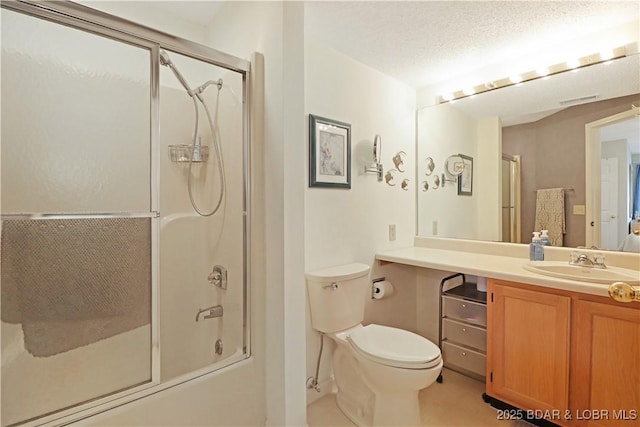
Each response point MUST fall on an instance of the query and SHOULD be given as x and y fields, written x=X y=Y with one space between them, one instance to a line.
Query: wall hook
x=436 y=182
x=398 y=160
x=430 y=166
x=390 y=176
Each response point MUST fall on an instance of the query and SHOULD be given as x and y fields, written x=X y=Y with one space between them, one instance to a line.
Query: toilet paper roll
x=382 y=289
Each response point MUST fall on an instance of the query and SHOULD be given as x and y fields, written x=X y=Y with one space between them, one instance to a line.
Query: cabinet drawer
x=471 y=336
x=467 y=311
x=460 y=357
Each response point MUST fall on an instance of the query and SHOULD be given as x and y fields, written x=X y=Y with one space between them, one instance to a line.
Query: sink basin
x=562 y=270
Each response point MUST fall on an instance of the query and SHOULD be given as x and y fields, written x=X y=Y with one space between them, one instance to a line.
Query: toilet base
x=367 y=405
x=397 y=409
x=354 y=398
x=355 y=410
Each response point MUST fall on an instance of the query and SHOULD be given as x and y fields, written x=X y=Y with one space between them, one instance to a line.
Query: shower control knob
x=219 y=347
x=218 y=277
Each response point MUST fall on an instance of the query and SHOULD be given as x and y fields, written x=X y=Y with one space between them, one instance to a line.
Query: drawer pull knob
x=464 y=329
x=464 y=305
x=464 y=353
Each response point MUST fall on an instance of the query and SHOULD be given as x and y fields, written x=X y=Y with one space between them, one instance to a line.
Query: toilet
x=378 y=370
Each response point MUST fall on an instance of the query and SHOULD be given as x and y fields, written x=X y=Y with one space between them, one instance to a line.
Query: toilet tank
x=337 y=296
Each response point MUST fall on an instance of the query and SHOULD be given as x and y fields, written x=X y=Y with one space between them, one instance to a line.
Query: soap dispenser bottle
x=544 y=239
x=535 y=248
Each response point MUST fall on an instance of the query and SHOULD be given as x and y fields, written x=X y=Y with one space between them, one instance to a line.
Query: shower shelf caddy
x=183 y=153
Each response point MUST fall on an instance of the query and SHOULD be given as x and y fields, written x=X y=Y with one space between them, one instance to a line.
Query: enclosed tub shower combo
x=125 y=211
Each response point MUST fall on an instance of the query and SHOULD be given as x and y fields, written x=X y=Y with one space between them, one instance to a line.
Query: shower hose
x=216 y=146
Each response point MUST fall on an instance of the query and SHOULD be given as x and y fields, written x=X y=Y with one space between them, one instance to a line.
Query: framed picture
x=329 y=153
x=465 y=180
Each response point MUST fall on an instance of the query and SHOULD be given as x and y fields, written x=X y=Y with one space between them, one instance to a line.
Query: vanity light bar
x=542 y=73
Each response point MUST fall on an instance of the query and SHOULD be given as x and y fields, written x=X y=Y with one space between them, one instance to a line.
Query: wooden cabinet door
x=528 y=348
x=605 y=375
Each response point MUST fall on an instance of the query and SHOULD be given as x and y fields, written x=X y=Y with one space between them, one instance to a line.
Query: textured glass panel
x=75 y=120
x=76 y=311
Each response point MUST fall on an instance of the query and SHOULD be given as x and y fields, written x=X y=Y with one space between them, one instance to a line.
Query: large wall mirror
x=529 y=137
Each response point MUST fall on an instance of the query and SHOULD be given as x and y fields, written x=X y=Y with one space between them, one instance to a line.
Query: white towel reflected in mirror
x=631 y=243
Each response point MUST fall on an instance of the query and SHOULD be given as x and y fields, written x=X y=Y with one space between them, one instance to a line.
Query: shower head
x=166 y=61
x=206 y=84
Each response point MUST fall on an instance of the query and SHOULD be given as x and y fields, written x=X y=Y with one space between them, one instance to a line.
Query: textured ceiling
x=425 y=42
x=428 y=43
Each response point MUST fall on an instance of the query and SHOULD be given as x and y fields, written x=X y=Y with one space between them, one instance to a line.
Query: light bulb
x=542 y=71
x=573 y=63
x=606 y=54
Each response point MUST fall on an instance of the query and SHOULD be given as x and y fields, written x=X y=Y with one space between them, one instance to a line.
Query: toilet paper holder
x=380 y=288
x=373 y=286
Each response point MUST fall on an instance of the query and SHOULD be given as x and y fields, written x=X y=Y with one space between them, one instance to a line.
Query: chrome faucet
x=210 y=312
x=583 y=260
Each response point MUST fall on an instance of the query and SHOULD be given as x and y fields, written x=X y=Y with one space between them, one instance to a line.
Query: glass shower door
x=78 y=217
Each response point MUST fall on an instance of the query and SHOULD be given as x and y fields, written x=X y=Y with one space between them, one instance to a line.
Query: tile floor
x=456 y=402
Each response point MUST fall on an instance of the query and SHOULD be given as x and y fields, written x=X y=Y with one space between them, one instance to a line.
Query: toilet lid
x=395 y=347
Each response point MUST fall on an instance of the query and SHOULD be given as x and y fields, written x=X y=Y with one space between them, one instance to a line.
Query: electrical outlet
x=392 y=232
x=434 y=228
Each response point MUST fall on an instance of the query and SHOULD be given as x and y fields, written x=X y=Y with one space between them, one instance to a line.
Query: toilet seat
x=395 y=347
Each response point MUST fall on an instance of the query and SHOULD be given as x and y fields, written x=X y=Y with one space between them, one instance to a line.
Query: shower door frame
x=515 y=215
x=119 y=29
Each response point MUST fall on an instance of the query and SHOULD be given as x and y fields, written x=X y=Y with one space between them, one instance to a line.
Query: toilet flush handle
x=333 y=286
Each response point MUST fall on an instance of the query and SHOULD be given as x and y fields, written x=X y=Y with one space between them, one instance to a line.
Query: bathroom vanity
x=558 y=350
x=571 y=357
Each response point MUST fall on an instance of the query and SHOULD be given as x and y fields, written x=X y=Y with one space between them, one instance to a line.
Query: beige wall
x=275 y=29
x=350 y=225
x=553 y=155
x=442 y=132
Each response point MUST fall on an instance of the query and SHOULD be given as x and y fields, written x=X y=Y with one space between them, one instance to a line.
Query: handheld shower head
x=166 y=61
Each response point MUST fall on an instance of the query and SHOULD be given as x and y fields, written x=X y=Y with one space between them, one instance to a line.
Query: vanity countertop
x=491 y=265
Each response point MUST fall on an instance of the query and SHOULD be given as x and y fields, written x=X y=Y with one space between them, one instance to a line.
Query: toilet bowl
x=378 y=370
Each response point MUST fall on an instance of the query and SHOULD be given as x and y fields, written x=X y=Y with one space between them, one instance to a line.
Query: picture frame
x=465 y=179
x=329 y=153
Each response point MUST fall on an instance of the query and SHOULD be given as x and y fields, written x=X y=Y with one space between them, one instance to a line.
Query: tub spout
x=210 y=312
